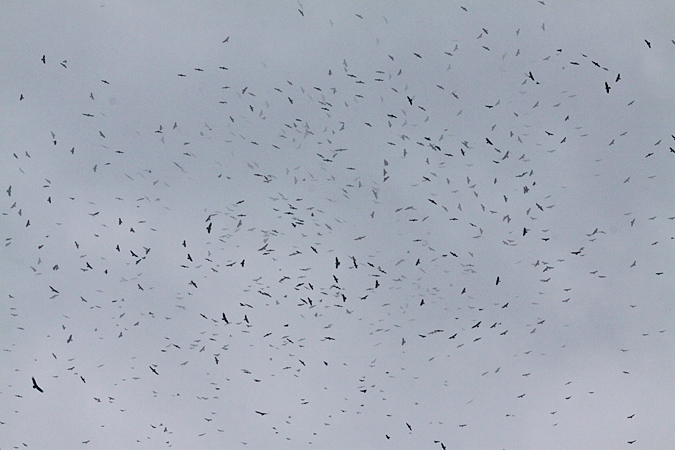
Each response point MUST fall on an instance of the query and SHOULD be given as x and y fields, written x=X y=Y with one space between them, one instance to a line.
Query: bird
x=607 y=88
x=35 y=385
x=649 y=44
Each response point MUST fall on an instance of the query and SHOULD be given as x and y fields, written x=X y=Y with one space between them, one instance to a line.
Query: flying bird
x=35 y=385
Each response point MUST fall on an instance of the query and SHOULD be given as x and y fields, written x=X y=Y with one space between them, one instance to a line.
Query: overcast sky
x=337 y=225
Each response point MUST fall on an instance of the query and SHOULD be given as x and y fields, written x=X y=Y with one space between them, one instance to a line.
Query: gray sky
x=503 y=224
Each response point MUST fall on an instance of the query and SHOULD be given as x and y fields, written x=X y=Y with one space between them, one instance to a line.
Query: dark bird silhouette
x=35 y=385
x=225 y=319
x=607 y=88
x=153 y=369
x=44 y=59
x=649 y=44
x=477 y=325
x=261 y=413
x=497 y=281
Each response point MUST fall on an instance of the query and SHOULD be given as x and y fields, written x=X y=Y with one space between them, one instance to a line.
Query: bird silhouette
x=35 y=385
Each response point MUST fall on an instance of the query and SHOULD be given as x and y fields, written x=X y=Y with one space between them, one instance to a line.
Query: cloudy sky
x=332 y=225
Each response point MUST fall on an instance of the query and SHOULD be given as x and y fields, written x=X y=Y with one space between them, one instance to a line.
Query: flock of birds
x=378 y=253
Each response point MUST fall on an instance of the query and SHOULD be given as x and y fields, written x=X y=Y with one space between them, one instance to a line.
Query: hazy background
x=171 y=162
